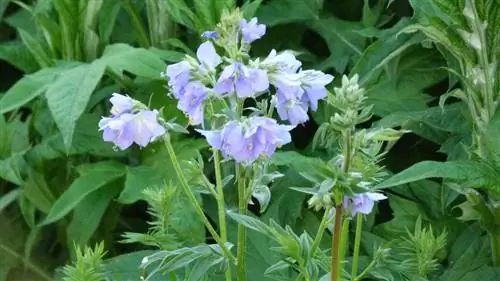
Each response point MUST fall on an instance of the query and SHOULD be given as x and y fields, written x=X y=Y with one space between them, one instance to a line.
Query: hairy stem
x=357 y=243
x=335 y=275
x=220 y=205
x=242 y=208
x=321 y=231
x=192 y=198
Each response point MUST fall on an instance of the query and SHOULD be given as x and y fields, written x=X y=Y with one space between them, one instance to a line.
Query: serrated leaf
x=69 y=95
x=92 y=178
x=29 y=87
x=474 y=173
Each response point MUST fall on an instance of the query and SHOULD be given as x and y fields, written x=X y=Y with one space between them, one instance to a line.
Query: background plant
x=401 y=72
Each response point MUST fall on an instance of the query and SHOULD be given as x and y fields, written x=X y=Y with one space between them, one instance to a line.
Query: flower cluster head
x=363 y=202
x=130 y=122
x=223 y=70
x=248 y=139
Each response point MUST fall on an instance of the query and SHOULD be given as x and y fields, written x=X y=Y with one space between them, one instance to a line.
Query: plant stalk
x=220 y=205
x=357 y=243
x=321 y=231
x=495 y=248
x=335 y=275
x=192 y=198
x=242 y=209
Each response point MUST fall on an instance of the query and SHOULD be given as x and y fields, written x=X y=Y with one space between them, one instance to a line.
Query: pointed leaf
x=93 y=177
x=69 y=95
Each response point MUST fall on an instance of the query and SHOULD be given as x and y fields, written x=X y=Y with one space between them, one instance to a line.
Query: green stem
x=495 y=248
x=28 y=263
x=344 y=242
x=335 y=275
x=220 y=205
x=192 y=198
x=367 y=269
x=242 y=208
x=357 y=243
x=321 y=231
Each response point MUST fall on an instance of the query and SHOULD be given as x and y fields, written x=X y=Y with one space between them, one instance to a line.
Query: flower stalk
x=357 y=243
x=192 y=199
x=220 y=205
x=242 y=210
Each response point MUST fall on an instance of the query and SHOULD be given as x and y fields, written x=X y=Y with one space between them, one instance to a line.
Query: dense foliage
x=250 y=140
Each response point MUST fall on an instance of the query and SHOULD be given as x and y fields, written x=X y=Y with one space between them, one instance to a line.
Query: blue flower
x=283 y=62
x=313 y=83
x=246 y=82
x=362 y=203
x=178 y=77
x=290 y=106
x=123 y=130
x=210 y=34
x=192 y=101
x=179 y=74
x=121 y=104
x=246 y=141
x=252 y=30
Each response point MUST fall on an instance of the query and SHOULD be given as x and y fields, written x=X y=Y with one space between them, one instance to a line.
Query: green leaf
x=342 y=39
x=8 y=198
x=29 y=87
x=403 y=89
x=126 y=267
x=86 y=140
x=382 y=51
x=107 y=18
x=88 y=214
x=180 y=12
x=140 y=62
x=69 y=95
x=18 y=55
x=13 y=168
x=272 y=14
x=138 y=179
x=474 y=173
x=93 y=177
x=36 y=48
x=37 y=191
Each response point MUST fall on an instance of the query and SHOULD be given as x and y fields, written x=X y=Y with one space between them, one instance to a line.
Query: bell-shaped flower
x=178 y=77
x=246 y=82
x=283 y=62
x=141 y=128
x=313 y=83
x=121 y=104
x=290 y=106
x=363 y=202
x=207 y=56
x=246 y=142
x=252 y=30
x=192 y=101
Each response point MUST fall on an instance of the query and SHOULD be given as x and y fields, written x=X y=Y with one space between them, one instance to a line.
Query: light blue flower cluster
x=194 y=81
x=130 y=122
